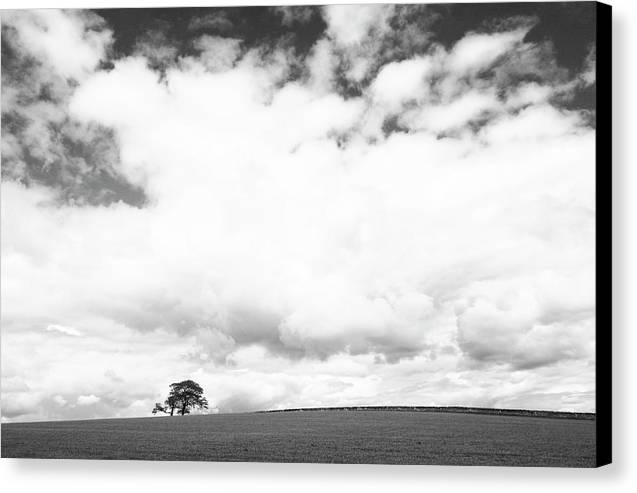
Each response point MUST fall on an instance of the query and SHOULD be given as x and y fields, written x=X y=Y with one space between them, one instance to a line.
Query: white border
x=66 y=476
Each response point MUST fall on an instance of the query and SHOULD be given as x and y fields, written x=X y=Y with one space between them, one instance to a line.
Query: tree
x=159 y=408
x=188 y=395
x=169 y=406
x=183 y=396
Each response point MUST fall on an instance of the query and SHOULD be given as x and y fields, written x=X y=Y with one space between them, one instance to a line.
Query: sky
x=298 y=207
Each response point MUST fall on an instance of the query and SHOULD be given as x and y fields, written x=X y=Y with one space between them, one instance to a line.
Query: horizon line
x=521 y=412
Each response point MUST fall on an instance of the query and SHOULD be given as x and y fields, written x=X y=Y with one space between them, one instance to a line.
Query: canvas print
x=337 y=234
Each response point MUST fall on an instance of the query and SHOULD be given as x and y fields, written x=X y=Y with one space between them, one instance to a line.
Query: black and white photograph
x=353 y=234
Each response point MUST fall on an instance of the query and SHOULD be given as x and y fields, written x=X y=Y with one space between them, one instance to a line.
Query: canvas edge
x=603 y=235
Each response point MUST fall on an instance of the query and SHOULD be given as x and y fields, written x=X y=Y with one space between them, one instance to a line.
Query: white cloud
x=452 y=115
x=357 y=33
x=67 y=41
x=218 y=53
x=62 y=329
x=353 y=24
x=399 y=82
x=534 y=123
x=476 y=52
x=284 y=258
x=589 y=73
x=530 y=93
x=87 y=400
x=321 y=65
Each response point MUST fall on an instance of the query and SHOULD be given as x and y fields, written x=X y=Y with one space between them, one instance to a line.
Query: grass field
x=390 y=437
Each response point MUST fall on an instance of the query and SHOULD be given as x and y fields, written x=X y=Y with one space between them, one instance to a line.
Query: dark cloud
x=84 y=168
x=42 y=145
x=157 y=47
x=255 y=26
x=565 y=28
x=296 y=14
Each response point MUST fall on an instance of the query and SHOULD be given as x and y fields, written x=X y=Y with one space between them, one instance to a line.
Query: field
x=390 y=437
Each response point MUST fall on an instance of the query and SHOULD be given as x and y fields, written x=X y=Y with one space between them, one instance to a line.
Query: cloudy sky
x=367 y=205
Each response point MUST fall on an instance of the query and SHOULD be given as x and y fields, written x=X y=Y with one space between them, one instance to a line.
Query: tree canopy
x=183 y=397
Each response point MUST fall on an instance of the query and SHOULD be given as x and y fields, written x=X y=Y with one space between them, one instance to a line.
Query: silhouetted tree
x=188 y=395
x=169 y=405
x=183 y=396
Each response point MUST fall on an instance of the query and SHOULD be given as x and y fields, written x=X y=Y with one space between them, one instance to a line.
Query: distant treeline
x=449 y=409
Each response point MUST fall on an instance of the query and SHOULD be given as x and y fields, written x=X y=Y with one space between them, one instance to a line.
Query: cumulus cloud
x=398 y=82
x=477 y=52
x=73 y=41
x=218 y=53
x=156 y=47
x=458 y=113
x=426 y=240
x=47 y=53
x=87 y=400
x=357 y=32
x=353 y=24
